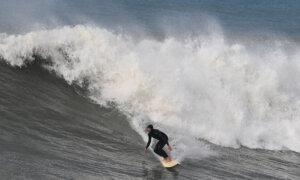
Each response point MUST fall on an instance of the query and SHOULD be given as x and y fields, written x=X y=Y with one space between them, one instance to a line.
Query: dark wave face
x=81 y=79
x=50 y=131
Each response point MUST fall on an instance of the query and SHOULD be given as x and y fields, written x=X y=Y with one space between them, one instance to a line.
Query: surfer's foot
x=167 y=159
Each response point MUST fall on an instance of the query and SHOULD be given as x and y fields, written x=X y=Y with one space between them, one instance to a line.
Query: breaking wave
x=203 y=87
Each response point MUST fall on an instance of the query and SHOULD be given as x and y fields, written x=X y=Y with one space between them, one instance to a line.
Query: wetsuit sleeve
x=168 y=143
x=149 y=141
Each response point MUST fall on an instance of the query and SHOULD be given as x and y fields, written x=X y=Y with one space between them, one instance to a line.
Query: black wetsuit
x=162 y=141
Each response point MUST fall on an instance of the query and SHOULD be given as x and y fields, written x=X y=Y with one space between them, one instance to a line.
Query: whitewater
x=197 y=88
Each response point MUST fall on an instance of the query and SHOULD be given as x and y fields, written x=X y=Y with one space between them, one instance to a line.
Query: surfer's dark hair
x=150 y=126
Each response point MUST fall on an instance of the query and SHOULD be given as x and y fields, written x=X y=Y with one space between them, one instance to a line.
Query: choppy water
x=80 y=80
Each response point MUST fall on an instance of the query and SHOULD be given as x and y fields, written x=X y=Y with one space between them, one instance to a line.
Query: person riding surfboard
x=162 y=141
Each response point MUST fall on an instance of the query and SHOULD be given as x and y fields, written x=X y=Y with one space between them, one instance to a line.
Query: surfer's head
x=149 y=128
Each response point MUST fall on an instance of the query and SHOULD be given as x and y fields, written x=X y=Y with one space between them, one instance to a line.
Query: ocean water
x=81 y=79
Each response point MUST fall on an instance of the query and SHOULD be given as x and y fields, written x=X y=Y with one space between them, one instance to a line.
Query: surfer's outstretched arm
x=148 y=143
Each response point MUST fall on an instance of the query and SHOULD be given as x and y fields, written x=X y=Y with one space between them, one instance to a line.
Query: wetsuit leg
x=159 y=149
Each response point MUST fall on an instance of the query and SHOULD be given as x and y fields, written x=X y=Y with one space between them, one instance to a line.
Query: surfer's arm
x=170 y=147
x=149 y=141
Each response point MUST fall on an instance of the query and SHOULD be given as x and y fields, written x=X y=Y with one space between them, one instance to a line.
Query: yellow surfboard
x=169 y=164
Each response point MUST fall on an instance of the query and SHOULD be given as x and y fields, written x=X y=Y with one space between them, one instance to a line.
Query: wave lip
x=228 y=94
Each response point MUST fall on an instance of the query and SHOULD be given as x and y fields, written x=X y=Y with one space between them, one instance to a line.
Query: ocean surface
x=79 y=81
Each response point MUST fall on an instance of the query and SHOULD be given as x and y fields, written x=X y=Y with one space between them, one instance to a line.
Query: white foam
x=204 y=87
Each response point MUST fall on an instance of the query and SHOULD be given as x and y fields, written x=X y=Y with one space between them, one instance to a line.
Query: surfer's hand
x=170 y=148
x=146 y=150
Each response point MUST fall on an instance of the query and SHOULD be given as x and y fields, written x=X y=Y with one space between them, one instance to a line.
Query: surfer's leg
x=159 y=149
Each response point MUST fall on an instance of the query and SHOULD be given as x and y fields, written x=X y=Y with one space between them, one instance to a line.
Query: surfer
x=162 y=141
